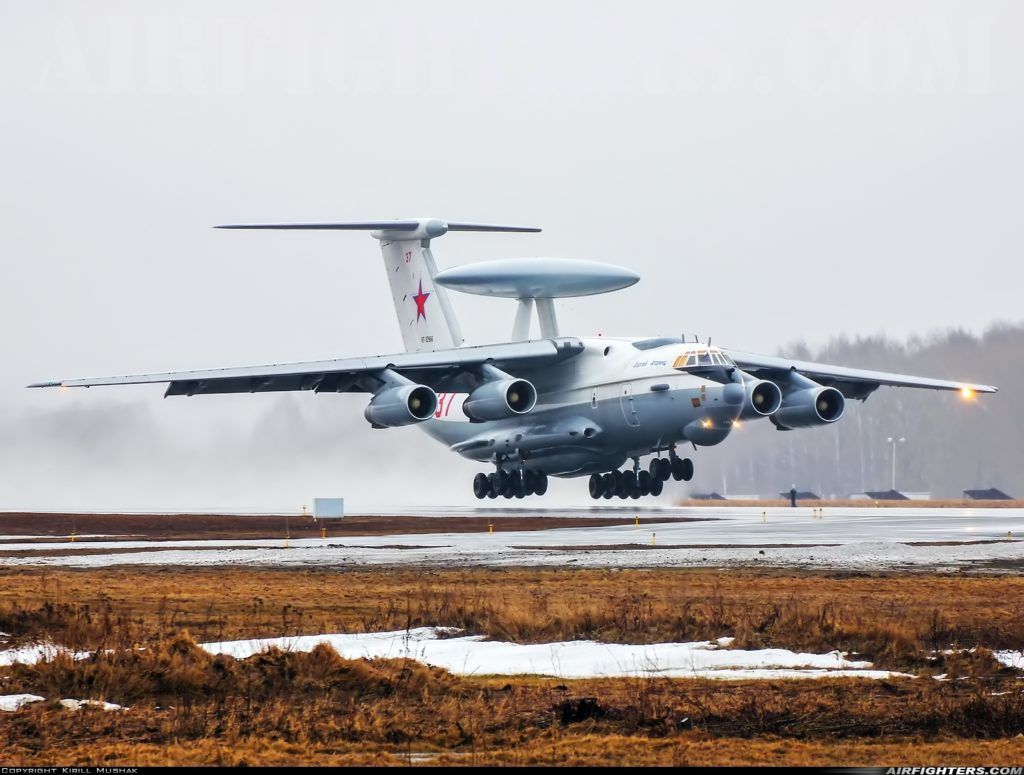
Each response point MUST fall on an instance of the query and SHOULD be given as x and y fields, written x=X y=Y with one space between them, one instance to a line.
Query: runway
x=842 y=538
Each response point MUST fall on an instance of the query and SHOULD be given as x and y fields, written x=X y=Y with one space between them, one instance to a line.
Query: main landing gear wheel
x=517 y=484
x=540 y=482
x=481 y=487
x=644 y=480
x=661 y=469
x=630 y=483
x=682 y=469
x=609 y=486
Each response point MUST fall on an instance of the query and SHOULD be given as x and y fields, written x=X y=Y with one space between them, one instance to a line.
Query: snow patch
x=79 y=704
x=472 y=655
x=1013 y=659
x=37 y=652
x=13 y=702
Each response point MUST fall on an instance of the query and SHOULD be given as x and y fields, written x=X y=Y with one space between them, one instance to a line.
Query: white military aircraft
x=558 y=405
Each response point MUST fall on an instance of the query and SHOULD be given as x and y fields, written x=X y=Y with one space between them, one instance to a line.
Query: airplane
x=555 y=405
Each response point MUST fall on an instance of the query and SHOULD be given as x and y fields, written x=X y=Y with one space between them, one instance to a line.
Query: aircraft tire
x=532 y=478
x=481 y=487
x=628 y=483
x=677 y=469
x=492 y=486
x=609 y=485
x=540 y=484
x=657 y=486
x=666 y=469
x=644 y=480
x=504 y=483
x=596 y=486
x=655 y=467
x=621 y=484
x=687 y=469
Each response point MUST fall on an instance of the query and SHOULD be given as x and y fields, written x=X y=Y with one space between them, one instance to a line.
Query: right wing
x=440 y=370
x=851 y=382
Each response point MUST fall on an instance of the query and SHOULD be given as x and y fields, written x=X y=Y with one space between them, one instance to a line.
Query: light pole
x=894 y=441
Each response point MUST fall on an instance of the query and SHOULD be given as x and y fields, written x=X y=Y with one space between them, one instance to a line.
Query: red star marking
x=421 y=302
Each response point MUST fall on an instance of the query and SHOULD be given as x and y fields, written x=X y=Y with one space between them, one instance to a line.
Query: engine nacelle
x=403 y=405
x=500 y=399
x=808 y=407
x=762 y=399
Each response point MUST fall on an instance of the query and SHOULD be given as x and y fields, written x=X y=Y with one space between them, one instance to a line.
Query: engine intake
x=809 y=407
x=763 y=399
x=500 y=399
x=404 y=405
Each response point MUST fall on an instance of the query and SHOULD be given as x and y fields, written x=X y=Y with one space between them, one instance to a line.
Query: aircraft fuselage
x=611 y=403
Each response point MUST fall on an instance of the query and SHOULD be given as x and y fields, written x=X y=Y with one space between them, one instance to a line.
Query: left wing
x=439 y=369
x=852 y=383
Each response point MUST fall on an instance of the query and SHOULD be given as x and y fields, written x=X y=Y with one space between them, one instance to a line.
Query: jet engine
x=402 y=405
x=762 y=399
x=809 y=406
x=499 y=399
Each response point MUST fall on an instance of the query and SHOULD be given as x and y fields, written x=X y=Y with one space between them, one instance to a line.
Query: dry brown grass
x=187 y=706
x=299 y=706
x=896 y=620
x=575 y=750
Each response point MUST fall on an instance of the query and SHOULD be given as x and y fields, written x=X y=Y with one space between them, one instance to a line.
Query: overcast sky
x=775 y=172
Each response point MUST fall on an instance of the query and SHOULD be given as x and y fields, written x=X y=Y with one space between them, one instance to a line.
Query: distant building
x=801 y=496
x=706 y=496
x=886 y=495
x=991 y=494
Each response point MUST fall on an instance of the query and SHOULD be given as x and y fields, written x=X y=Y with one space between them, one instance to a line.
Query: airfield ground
x=185 y=705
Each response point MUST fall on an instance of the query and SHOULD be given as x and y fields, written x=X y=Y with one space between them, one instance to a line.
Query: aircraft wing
x=439 y=369
x=852 y=383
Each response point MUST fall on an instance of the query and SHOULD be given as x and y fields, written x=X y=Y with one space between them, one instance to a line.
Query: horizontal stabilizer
x=346 y=226
x=433 y=226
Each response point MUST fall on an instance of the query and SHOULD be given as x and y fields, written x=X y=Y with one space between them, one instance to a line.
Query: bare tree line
x=951 y=444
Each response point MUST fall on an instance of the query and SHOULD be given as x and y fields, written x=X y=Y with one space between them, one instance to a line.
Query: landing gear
x=682 y=469
x=517 y=484
x=635 y=482
x=631 y=483
x=660 y=469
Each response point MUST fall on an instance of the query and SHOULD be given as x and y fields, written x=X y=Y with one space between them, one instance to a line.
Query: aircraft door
x=628 y=404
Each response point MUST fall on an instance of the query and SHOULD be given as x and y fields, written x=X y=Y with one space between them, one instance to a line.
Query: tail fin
x=424 y=312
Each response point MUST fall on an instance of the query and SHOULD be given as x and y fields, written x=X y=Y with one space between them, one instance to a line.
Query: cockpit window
x=704 y=359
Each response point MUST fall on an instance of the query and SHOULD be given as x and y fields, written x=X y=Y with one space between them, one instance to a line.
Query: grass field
x=186 y=706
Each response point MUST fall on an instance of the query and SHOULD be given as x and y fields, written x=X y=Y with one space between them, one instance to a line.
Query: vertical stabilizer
x=425 y=315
